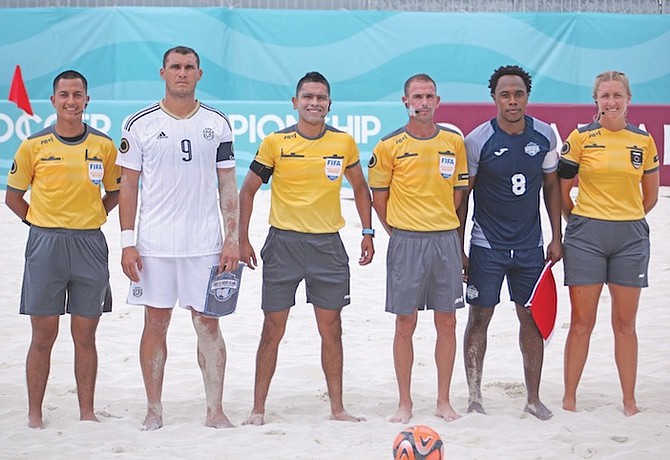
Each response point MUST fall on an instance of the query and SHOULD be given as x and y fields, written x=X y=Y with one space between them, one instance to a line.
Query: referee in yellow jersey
x=66 y=269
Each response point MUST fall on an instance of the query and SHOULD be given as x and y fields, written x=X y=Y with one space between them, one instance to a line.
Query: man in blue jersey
x=510 y=158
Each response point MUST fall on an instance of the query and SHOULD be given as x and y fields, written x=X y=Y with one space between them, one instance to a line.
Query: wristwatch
x=369 y=231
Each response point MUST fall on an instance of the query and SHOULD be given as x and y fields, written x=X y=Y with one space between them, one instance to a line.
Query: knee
x=156 y=325
x=479 y=318
x=581 y=328
x=43 y=344
x=404 y=327
x=624 y=327
x=43 y=339
x=206 y=326
x=445 y=322
x=271 y=335
x=84 y=343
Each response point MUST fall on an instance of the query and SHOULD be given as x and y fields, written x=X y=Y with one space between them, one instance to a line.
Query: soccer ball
x=419 y=442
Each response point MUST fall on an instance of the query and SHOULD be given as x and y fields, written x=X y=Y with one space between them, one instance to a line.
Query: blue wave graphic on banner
x=367 y=55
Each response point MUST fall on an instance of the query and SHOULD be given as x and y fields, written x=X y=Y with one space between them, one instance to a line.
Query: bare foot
x=569 y=404
x=630 y=408
x=345 y=416
x=402 y=415
x=88 y=416
x=152 y=421
x=218 y=421
x=36 y=422
x=476 y=406
x=254 y=419
x=539 y=410
x=447 y=412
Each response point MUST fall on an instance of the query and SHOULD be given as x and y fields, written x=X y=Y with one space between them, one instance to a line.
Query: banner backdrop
x=252 y=60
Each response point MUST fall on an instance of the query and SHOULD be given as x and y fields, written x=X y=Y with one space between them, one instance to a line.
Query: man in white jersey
x=180 y=149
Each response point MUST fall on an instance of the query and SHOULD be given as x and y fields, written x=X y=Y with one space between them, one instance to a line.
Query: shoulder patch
x=566 y=148
x=13 y=170
x=373 y=161
x=124 y=146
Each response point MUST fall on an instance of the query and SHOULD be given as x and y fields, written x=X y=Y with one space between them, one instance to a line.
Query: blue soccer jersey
x=508 y=172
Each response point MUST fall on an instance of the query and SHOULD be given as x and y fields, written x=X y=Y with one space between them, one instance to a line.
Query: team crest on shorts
x=447 y=166
x=471 y=292
x=333 y=168
x=208 y=133
x=137 y=291
x=531 y=149
x=635 y=157
x=224 y=286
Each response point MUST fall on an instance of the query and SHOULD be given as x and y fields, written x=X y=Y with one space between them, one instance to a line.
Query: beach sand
x=297 y=407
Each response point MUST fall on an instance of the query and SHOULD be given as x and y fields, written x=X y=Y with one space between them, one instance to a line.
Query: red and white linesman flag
x=18 y=94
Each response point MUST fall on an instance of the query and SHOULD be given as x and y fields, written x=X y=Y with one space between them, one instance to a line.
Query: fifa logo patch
x=224 y=286
x=447 y=166
x=95 y=172
x=333 y=168
x=635 y=157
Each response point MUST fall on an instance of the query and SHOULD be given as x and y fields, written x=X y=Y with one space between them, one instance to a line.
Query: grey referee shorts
x=424 y=270
x=66 y=271
x=601 y=251
x=319 y=259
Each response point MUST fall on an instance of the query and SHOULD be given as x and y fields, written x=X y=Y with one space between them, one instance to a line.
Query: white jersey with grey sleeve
x=178 y=159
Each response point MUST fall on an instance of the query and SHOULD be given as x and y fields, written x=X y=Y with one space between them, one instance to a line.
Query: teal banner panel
x=252 y=59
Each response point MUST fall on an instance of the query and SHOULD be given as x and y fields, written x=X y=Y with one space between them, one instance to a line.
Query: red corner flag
x=18 y=93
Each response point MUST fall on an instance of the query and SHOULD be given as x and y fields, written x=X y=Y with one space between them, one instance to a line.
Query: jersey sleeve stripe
x=147 y=110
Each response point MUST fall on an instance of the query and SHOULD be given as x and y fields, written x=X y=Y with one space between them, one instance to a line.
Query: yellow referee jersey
x=64 y=178
x=307 y=178
x=611 y=165
x=421 y=176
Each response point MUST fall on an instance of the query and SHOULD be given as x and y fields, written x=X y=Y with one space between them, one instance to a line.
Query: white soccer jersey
x=178 y=158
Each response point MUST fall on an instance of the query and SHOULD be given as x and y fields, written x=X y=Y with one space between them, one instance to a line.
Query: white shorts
x=166 y=280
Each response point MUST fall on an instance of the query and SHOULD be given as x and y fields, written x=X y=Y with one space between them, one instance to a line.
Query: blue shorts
x=488 y=267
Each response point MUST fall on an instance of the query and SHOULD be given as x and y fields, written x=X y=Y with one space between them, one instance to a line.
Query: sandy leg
x=538 y=410
x=153 y=419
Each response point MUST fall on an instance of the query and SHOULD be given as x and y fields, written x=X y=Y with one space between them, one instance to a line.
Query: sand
x=297 y=408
